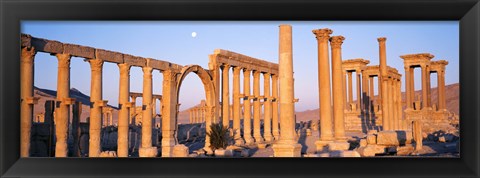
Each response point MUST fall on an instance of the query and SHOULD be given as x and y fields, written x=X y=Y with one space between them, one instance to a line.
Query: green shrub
x=219 y=136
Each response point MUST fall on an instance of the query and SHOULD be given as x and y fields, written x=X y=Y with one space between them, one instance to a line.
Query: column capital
x=63 y=60
x=236 y=70
x=382 y=39
x=147 y=70
x=95 y=64
x=266 y=74
x=256 y=73
x=28 y=54
x=322 y=34
x=227 y=66
x=336 y=41
x=124 y=68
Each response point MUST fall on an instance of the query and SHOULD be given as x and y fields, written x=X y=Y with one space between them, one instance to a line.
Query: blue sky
x=172 y=41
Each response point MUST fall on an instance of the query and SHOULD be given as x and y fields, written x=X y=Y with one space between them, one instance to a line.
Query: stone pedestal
x=148 y=151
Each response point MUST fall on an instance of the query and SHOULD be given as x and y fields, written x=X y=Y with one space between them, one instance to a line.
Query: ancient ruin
x=386 y=122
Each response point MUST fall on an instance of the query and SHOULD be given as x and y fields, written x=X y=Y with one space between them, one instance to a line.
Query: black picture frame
x=467 y=12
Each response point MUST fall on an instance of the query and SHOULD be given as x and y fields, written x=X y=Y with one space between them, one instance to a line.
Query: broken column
x=287 y=145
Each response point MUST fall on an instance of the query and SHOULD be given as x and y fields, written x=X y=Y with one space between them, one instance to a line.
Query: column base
x=322 y=145
x=286 y=150
x=167 y=151
x=148 y=152
x=249 y=140
x=259 y=139
x=269 y=138
x=341 y=139
x=338 y=146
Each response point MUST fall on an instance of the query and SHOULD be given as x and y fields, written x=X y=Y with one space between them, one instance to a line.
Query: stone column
x=27 y=100
x=429 y=87
x=371 y=94
x=62 y=111
x=123 y=114
x=286 y=146
x=338 y=105
x=350 y=88
x=393 y=102
x=236 y=105
x=326 y=128
x=384 y=83
x=146 y=149
x=412 y=85
x=154 y=109
x=225 y=96
x=133 y=110
x=275 y=131
x=441 y=90
x=425 y=88
x=256 y=107
x=169 y=113
x=359 y=90
x=364 y=93
x=267 y=105
x=399 y=104
x=344 y=83
x=247 y=116
x=408 y=92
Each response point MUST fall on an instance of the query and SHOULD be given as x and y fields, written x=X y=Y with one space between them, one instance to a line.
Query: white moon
x=194 y=34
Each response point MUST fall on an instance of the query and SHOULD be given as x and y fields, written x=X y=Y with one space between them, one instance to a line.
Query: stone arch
x=209 y=87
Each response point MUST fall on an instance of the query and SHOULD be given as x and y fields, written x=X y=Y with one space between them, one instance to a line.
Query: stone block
x=48 y=46
x=26 y=40
x=287 y=150
x=371 y=150
x=180 y=151
x=405 y=150
x=110 y=56
x=442 y=139
x=159 y=64
x=371 y=139
x=338 y=146
x=394 y=138
x=79 y=51
x=363 y=142
x=134 y=60
x=148 y=152
x=372 y=132
x=223 y=153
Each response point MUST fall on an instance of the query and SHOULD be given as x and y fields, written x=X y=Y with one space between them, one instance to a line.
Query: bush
x=219 y=136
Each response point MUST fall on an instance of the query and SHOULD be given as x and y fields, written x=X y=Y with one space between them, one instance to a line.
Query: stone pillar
x=393 y=102
x=62 y=111
x=154 y=109
x=287 y=145
x=429 y=87
x=371 y=94
x=408 y=92
x=412 y=85
x=338 y=105
x=326 y=128
x=169 y=113
x=344 y=83
x=350 y=88
x=441 y=90
x=384 y=83
x=365 y=96
x=359 y=90
x=256 y=107
x=425 y=75
x=275 y=131
x=133 y=110
x=417 y=134
x=236 y=105
x=247 y=116
x=146 y=149
x=267 y=105
x=27 y=100
x=123 y=114
x=399 y=104
x=225 y=96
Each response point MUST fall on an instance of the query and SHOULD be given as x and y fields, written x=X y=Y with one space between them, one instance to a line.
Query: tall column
x=62 y=111
x=407 y=88
x=412 y=85
x=350 y=88
x=371 y=94
x=236 y=105
x=256 y=107
x=425 y=75
x=359 y=90
x=154 y=108
x=275 y=131
x=326 y=128
x=225 y=96
x=393 y=101
x=286 y=146
x=344 y=83
x=364 y=93
x=399 y=104
x=441 y=90
x=267 y=105
x=27 y=100
x=429 y=87
x=146 y=149
x=169 y=113
x=123 y=101
x=133 y=110
x=384 y=79
x=247 y=116
x=338 y=105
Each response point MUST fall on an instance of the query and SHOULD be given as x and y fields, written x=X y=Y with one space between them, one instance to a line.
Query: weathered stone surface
x=338 y=146
x=442 y=139
x=363 y=142
x=371 y=150
x=372 y=132
x=223 y=153
x=134 y=60
x=262 y=145
x=180 y=151
x=79 y=51
x=148 y=152
x=371 y=139
x=108 y=154
x=48 y=46
x=26 y=40
x=405 y=150
x=394 y=138
x=110 y=56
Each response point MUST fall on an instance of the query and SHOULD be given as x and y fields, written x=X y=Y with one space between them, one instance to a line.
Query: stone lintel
x=134 y=60
x=164 y=65
x=79 y=51
x=48 y=46
x=109 y=56
x=240 y=60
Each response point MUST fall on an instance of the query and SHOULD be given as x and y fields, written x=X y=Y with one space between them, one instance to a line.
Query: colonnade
x=107 y=117
x=197 y=114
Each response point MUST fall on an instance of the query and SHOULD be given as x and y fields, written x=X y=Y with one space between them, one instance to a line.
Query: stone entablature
x=222 y=56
